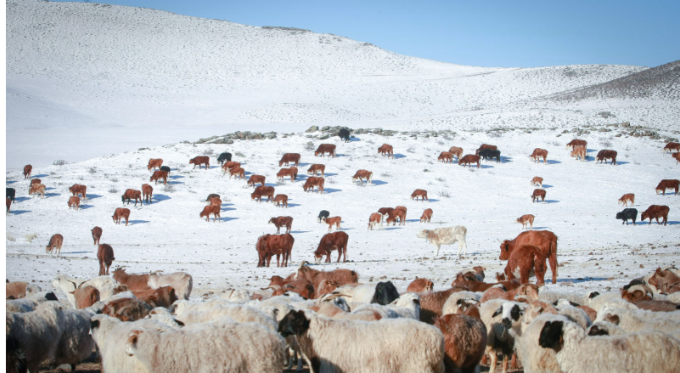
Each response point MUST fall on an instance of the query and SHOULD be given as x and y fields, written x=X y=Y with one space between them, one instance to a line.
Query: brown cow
x=524 y=219
x=393 y=215
x=256 y=179
x=525 y=262
x=579 y=152
x=261 y=191
x=668 y=184
x=238 y=171
x=656 y=212
x=292 y=172
x=363 y=174
x=400 y=212
x=469 y=159
x=325 y=148
x=74 y=202
x=544 y=240
x=157 y=175
x=677 y=157
x=36 y=181
x=311 y=182
x=419 y=285
x=386 y=149
x=27 y=171
x=227 y=166
x=537 y=181
x=458 y=152
x=538 y=193
x=630 y=197
x=147 y=192
x=333 y=221
x=153 y=163
x=577 y=143
x=538 y=153
x=427 y=216
x=603 y=155
x=37 y=189
x=288 y=158
x=447 y=157
x=672 y=146
x=215 y=201
x=85 y=296
x=211 y=209
x=419 y=193
x=269 y=245
x=96 y=235
x=55 y=244
x=329 y=242
x=469 y=281
x=375 y=219
x=282 y=221
x=105 y=257
x=164 y=296
x=339 y=276
x=121 y=213
x=385 y=210
x=281 y=200
x=313 y=169
x=131 y=194
x=211 y=196
x=485 y=146
x=77 y=189
x=198 y=161
x=8 y=203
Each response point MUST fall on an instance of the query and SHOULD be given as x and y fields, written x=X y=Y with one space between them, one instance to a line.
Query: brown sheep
x=420 y=285
x=281 y=200
x=164 y=296
x=211 y=209
x=55 y=244
x=524 y=219
x=527 y=292
x=131 y=194
x=127 y=309
x=153 y=163
x=16 y=290
x=630 y=197
x=27 y=171
x=199 y=161
x=301 y=286
x=419 y=193
x=427 y=216
x=256 y=179
x=77 y=189
x=432 y=303
x=537 y=181
x=121 y=213
x=105 y=257
x=157 y=175
x=340 y=276
x=74 y=202
x=313 y=169
x=147 y=192
x=524 y=262
x=333 y=221
x=326 y=287
x=85 y=296
x=456 y=151
x=538 y=154
x=538 y=193
x=96 y=235
x=469 y=281
x=282 y=221
x=465 y=341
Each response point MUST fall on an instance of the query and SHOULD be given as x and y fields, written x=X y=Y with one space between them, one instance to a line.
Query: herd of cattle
x=146 y=322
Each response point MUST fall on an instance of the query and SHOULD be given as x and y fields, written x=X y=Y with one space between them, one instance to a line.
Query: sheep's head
x=294 y=323
x=510 y=313
x=423 y=233
x=552 y=335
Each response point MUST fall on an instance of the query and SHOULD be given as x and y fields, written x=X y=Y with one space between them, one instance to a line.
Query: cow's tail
x=552 y=257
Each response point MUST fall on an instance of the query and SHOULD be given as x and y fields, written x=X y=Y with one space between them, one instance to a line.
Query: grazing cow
x=329 y=242
x=8 y=203
x=153 y=163
x=292 y=172
x=446 y=157
x=211 y=209
x=524 y=219
x=544 y=240
x=603 y=155
x=577 y=143
x=538 y=153
x=239 y=172
x=288 y=158
x=282 y=221
x=386 y=149
x=672 y=146
x=74 y=202
x=96 y=235
x=363 y=174
x=628 y=214
x=227 y=166
x=323 y=215
x=77 y=189
x=490 y=154
x=157 y=175
x=375 y=219
x=36 y=181
x=215 y=202
x=656 y=212
x=281 y=200
x=313 y=169
x=630 y=197
x=269 y=245
x=419 y=193
x=147 y=192
x=677 y=157
x=131 y=194
x=211 y=196
x=224 y=157
x=55 y=244
x=165 y=168
x=458 y=152
x=386 y=210
x=427 y=216
x=579 y=152
x=668 y=184
x=261 y=191
x=537 y=181
x=399 y=212
x=105 y=257
x=344 y=134
x=485 y=146
x=311 y=182
x=199 y=161
x=469 y=159
x=37 y=189
x=27 y=171
x=256 y=179
x=333 y=221
x=538 y=193
x=10 y=193
x=121 y=213
x=325 y=148
x=525 y=262
x=445 y=236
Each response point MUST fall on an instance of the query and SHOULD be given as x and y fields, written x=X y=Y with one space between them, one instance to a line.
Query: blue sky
x=479 y=33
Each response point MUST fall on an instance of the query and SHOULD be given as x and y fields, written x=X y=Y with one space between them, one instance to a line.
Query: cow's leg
x=436 y=253
x=462 y=244
x=126 y=221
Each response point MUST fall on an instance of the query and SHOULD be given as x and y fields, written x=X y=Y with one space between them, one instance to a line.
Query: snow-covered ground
x=595 y=250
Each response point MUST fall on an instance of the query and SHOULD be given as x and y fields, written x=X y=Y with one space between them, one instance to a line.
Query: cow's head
x=506 y=249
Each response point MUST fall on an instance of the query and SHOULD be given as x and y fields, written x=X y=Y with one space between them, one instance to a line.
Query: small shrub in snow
x=441 y=179
x=385 y=174
x=444 y=194
x=605 y=142
x=113 y=189
x=309 y=146
x=59 y=162
x=81 y=177
x=495 y=134
x=208 y=151
x=239 y=154
x=331 y=180
x=93 y=170
x=11 y=238
x=280 y=183
x=30 y=237
x=440 y=142
x=411 y=150
x=169 y=188
x=426 y=170
x=113 y=180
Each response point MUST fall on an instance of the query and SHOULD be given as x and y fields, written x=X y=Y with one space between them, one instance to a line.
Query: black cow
x=224 y=157
x=344 y=134
x=323 y=215
x=490 y=154
x=165 y=168
x=212 y=196
x=10 y=193
x=385 y=293
x=627 y=214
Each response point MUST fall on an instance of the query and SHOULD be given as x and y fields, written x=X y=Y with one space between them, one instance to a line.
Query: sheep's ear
x=131 y=345
x=460 y=301
x=179 y=323
x=555 y=303
x=551 y=335
x=94 y=324
x=593 y=294
x=614 y=319
x=498 y=312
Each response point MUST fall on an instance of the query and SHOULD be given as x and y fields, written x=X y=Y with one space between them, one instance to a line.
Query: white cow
x=446 y=236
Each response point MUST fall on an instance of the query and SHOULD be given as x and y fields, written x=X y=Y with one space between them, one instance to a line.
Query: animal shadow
x=379 y=182
x=176 y=177
x=39 y=176
x=331 y=190
x=484 y=166
x=293 y=205
x=21 y=199
x=399 y=156
x=93 y=196
x=175 y=182
x=674 y=223
x=329 y=174
x=10 y=181
x=299 y=232
x=85 y=207
x=551 y=201
x=621 y=163
x=135 y=222
x=226 y=219
x=160 y=197
x=546 y=186
x=552 y=161
x=48 y=195
x=18 y=212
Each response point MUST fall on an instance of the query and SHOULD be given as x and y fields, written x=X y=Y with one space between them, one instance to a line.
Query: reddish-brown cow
x=419 y=193
x=77 y=189
x=256 y=179
x=333 y=221
x=282 y=221
x=154 y=163
x=36 y=181
x=96 y=235
x=485 y=146
x=74 y=202
x=211 y=209
x=339 y=276
x=447 y=157
x=8 y=203
x=385 y=210
x=524 y=219
x=579 y=152
x=313 y=169
x=672 y=146
x=215 y=201
x=458 y=152
x=27 y=171
x=227 y=166
x=427 y=216
x=603 y=155
x=375 y=219
x=524 y=262
x=311 y=182
x=577 y=143
x=363 y=174
x=656 y=212
x=269 y=245
x=325 y=148
x=37 y=189
x=238 y=172
x=677 y=157
x=164 y=296
x=538 y=193
x=537 y=181
x=469 y=159
x=55 y=244
x=157 y=175
x=281 y=200
x=538 y=154
x=544 y=240
x=288 y=158
x=199 y=161
x=105 y=257
x=262 y=191
x=121 y=213
x=329 y=242
x=386 y=149
x=400 y=213
x=292 y=172
x=131 y=194
x=147 y=192
x=668 y=184
x=630 y=197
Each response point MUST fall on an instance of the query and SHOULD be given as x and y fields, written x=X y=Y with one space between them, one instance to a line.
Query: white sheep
x=636 y=320
x=596 y=300
x=238 y=312
x=34 y=336
x=452 y=304
x=499 y=316
x=406 y=306
x=182 y=306
x=29 y=303
x=357 y=294
x=604 y=328
x=535 y=358
x=388 y=345
x=67 y=284
x=162 y=314
x=75 y=343
x=237 y=295
x=574 y=314
x=219 y=346
x=552 y=296
x=182 y=282
x=645 y=351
